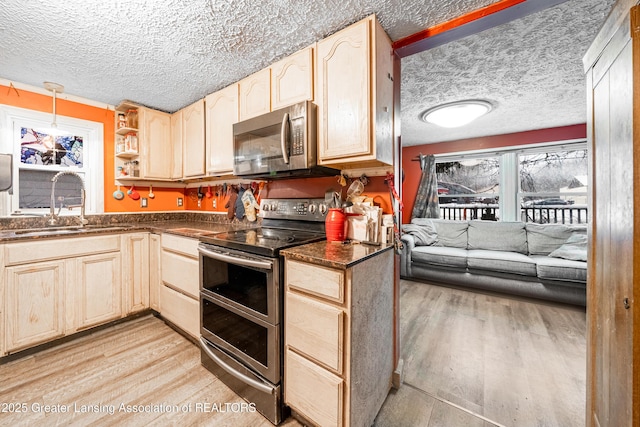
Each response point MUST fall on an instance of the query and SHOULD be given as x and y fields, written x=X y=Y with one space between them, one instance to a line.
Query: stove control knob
x=312 y=208
x=265 y=207
x=323 y=208
x=274 y=207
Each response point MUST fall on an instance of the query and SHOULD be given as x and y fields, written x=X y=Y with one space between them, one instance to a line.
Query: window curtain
x=426 y=204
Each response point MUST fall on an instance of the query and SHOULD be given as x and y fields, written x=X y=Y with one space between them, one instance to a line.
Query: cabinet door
x=292 y=79
x=35 y=304
x=222 y=113
x=154 y=271
x=343 y=95
x=176 y=145
x=97 y=289
x=155 y=143
x=193 y=140
x=135 y=272
x=255 y=94
x=315 y=329
x=313 y=391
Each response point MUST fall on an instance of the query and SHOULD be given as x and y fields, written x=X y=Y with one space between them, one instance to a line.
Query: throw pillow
x=574 y=249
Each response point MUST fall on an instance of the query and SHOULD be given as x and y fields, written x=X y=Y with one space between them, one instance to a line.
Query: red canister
x=336 y=225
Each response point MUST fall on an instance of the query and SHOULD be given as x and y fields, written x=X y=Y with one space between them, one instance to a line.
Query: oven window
x=243 y=334
x=242 y=285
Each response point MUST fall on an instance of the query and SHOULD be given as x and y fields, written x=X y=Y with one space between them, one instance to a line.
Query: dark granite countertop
x=334 y=254
x=187 y=228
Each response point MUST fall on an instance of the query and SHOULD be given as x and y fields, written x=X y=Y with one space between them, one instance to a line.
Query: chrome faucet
x=53 y=218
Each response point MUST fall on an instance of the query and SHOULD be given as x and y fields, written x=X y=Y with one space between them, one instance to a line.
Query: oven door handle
x=245 y=379
x=265 y=265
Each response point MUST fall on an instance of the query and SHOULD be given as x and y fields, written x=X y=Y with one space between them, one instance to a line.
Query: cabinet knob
x=625 y=301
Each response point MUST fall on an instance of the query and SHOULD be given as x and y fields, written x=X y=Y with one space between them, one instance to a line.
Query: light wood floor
x=474 y=359
x=470 y=360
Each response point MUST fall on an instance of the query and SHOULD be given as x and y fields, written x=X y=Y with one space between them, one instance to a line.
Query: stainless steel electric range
x=241 y=299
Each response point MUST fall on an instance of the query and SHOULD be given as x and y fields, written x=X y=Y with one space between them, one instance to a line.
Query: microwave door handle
x=284 y=138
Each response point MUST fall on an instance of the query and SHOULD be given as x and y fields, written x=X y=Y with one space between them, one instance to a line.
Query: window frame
x=12 y=119
x=510 y=192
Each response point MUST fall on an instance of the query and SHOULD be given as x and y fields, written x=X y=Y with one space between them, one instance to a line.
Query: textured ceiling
x=167 y=54
x=530 y=70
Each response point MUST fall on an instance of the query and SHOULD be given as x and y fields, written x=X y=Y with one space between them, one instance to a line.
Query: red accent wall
x=412 y=168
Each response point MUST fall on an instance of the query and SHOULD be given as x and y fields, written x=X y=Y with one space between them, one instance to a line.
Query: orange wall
x=291 y=188
x=165 y=198
x=412 y=168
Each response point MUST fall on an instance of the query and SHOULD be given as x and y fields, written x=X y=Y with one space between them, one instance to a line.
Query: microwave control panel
x=297 y=137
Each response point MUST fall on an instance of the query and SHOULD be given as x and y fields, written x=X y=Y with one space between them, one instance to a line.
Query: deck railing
x=541 y=214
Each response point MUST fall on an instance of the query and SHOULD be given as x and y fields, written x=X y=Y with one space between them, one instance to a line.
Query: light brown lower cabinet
x=338 y=332
x=180 y=283
x=56 y=287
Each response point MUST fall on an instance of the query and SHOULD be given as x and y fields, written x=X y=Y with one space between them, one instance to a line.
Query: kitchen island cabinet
x=355 y=97
x=338 y=330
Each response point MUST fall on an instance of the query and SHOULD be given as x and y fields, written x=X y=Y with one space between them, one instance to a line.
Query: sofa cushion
x=560 y=269
x=441 y=256
x=498 y=236
x=543 y=239
x=501 y=261
x=451 y=234
x=575 y=248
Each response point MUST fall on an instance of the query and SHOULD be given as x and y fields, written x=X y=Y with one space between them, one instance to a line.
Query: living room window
x=544 y=184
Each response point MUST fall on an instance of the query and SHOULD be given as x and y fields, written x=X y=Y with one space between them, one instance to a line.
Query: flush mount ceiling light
x=456 y=114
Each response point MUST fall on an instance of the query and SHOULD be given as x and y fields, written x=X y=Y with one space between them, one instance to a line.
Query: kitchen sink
x=53 y=231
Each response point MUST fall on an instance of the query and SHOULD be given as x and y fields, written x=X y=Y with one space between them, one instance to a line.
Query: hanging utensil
x=209 y=194
x=118 y=194
x=133 y=193
x=151 y=195
x=200 y=196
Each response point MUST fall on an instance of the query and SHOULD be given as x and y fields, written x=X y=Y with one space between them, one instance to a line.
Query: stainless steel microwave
x=279 y=144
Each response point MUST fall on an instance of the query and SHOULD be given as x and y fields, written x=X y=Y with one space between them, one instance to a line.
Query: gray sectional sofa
x=546 y=261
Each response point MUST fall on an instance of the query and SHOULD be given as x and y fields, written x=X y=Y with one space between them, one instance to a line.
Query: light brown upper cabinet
x=292 y=79
x=176 y=145
x=222 y=113
x=354 y=94
x=193 y=142
x=255 y=94
x=155 y=144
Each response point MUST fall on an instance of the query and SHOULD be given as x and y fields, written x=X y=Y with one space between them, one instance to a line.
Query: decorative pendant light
x=55 y=88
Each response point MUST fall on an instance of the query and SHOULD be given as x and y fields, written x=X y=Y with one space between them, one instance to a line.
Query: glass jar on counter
x=132 y=118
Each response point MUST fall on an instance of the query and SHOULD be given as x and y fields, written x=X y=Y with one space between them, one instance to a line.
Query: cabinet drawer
x=179 y=309
x=315 y=329
x=181 y=273
x=313 y=391
x=316 y=280
x=181 y=245
x=32 y=251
